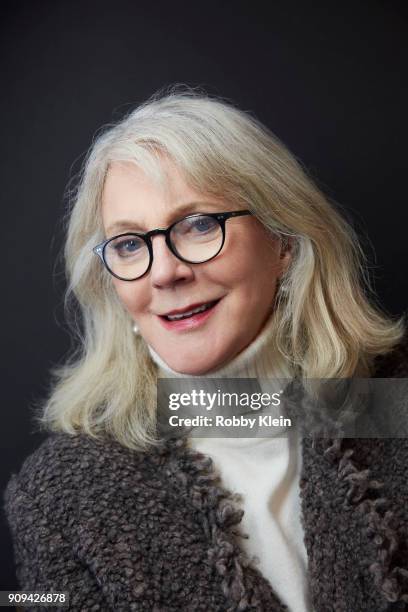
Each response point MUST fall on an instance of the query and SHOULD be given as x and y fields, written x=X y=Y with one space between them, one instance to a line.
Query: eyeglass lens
x=195 y=239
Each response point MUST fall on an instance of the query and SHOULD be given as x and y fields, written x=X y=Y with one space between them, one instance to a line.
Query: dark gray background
x=328 y=78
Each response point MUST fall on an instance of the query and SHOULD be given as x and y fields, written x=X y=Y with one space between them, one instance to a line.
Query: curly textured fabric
x=124 y=530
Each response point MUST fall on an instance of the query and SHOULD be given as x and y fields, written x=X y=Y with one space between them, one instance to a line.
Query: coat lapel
x=243 y=586
x=357 y=555
x=356 y=558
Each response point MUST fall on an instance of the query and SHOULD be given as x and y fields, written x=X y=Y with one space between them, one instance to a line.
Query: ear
x=286 y=252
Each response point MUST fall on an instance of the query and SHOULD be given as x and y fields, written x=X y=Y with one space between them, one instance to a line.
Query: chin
x=194 y=359
x=190 y=370
x=192 y=367
x=197 y=367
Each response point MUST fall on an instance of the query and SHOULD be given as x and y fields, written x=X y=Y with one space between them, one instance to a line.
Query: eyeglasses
x=194 y=239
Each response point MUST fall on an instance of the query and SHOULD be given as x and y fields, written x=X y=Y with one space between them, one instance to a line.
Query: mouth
x=189 y=317
x=177 y=315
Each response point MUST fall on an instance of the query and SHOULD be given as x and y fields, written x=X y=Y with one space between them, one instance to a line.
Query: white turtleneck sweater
x=265 y=471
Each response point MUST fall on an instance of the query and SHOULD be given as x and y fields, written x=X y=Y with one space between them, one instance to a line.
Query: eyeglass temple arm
x=235 y=213
x=98 y=249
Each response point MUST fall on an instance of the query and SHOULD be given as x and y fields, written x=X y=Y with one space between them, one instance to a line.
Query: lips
x=192 y=309
x=190 y=322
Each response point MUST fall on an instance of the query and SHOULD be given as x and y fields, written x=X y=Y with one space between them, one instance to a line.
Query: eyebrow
x=184 y=209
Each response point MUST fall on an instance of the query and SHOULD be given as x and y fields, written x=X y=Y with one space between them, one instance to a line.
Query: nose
x=167 y=269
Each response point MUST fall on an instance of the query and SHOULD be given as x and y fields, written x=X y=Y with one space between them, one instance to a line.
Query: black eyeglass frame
x=221 y=217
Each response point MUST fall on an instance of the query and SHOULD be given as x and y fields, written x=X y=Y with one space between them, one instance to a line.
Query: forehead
x=131 y=194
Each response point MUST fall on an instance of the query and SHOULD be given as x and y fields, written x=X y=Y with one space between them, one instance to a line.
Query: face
x=241 y=279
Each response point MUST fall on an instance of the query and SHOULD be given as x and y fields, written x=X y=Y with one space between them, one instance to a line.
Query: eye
x=204 y=224
x=196 y=225
x=127 y=246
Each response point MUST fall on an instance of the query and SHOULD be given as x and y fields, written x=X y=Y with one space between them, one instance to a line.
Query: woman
x=197 y=246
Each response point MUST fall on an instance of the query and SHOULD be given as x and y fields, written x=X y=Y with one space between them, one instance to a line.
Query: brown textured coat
x=157 y=532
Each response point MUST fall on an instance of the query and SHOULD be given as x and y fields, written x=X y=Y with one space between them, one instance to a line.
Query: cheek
x=253 y=250
x=256 y=266
x=134 y=299
x=255 y=280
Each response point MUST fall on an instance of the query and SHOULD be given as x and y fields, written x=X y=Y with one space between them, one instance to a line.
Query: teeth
x=189 y=313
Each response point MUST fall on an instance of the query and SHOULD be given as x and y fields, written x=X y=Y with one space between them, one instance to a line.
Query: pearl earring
x=135 y=328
